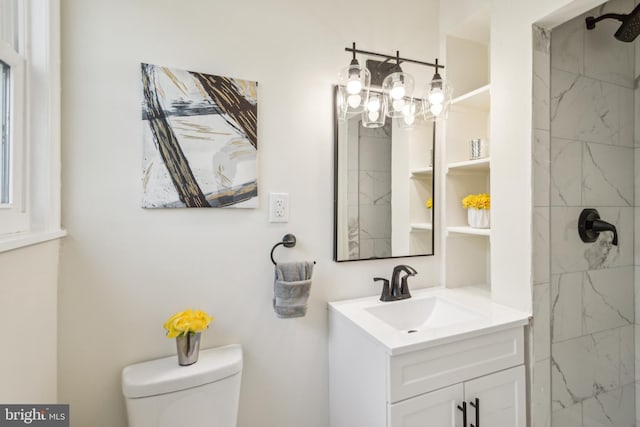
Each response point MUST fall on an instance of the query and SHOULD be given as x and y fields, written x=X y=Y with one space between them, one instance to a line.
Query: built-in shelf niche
x=466 y=250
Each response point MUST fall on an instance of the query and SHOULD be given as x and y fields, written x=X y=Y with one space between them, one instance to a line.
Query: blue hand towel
x=291 y=288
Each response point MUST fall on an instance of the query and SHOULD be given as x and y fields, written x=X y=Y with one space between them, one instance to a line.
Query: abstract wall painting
x=199 y=139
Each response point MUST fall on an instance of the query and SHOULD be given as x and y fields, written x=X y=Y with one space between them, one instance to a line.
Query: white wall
x=124 y=270
x=28 y=308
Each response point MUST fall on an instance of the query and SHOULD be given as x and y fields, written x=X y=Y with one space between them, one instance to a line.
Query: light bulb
x=436 y=96
x=398 y=104
x=354 y=101
x=354 y=85
x=373 y=115
x=397 y=91
x=436 y=109
x=374 y=104
x=409 y=113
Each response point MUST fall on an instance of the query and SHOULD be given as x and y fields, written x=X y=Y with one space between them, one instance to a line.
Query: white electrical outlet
x=279 y=207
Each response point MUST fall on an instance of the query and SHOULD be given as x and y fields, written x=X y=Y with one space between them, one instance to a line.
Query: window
x=5 y=147
x=29 y=122
x=13 y=212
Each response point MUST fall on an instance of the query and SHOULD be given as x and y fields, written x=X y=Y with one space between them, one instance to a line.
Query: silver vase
x=188 y=347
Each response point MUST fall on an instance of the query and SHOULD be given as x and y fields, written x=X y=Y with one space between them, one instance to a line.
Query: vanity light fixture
x=354 y=82
x=410 y=112
x=374 y=113
x=437 y=97
x=398 y=90
x=394 y=97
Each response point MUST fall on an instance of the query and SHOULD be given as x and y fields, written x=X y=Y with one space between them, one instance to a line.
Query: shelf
x=421 y=226
x=478 y=99
x=479 y=165
x=421 y=172
x=469 y=231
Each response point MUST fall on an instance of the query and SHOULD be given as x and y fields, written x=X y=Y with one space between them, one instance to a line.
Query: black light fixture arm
x=354 y=61
x=395 y=57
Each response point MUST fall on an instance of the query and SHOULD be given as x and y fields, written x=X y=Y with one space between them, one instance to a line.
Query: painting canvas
x=199 y=139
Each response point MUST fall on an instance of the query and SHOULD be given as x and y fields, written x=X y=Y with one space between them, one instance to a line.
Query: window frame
x=41 y=161
x=14 y=216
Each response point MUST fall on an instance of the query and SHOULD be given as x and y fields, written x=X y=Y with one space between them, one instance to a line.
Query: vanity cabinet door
x=437 y=408
x=501 y=398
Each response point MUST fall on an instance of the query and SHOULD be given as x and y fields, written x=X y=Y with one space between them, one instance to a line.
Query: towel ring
x=289 y=241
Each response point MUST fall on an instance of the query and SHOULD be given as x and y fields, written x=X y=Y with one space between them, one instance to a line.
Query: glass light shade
x=373 y=115
x=436 y=99
x=355 y=79
x=397 y=88
x=410 y=113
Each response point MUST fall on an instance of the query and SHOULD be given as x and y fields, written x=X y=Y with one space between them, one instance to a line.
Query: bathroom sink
x=414 y=314
x=431 y=317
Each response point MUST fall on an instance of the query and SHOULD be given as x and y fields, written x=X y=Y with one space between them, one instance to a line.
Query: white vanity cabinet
x=500 y=397
x=422 y=385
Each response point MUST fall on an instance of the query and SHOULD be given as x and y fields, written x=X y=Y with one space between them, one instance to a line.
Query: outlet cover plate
x=279 y=207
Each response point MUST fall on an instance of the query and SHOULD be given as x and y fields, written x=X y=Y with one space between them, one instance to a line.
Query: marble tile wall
x=583 y=153
x=369 y=194
x=540 y=387
x=636 y=216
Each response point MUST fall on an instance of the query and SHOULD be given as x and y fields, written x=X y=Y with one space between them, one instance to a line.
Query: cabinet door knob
x=476 y=406
x=463 y=408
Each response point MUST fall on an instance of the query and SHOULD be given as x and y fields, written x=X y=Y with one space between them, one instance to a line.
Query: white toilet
x=161 y=393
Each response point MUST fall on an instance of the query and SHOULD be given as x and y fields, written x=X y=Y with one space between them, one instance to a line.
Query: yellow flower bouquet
x=186 y=327
x=477 y=201
x=188 y=321
x=478 y=206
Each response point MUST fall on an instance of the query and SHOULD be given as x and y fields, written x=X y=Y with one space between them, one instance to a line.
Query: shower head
x=629 y=29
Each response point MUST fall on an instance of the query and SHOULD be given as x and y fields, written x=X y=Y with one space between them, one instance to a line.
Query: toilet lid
x=165 y=375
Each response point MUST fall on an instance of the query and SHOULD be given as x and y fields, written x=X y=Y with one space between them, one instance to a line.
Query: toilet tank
x=161 y=393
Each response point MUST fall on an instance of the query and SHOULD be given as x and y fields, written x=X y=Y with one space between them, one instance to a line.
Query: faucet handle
x=386 y=293
x=404 y=286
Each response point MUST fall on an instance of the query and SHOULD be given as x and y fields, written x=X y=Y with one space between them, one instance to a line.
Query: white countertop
x=491 y=317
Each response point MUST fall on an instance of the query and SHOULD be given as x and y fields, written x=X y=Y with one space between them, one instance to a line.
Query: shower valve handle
x=590 y=226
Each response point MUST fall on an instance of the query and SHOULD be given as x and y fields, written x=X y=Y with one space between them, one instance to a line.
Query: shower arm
x=591 y=21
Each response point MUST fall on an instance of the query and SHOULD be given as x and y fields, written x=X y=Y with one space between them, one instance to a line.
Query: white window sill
x=16 y=241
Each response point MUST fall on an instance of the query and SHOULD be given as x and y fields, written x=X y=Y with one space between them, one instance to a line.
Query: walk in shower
x=586 y=145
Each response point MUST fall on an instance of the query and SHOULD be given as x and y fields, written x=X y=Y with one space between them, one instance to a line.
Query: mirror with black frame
x=384 y=185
